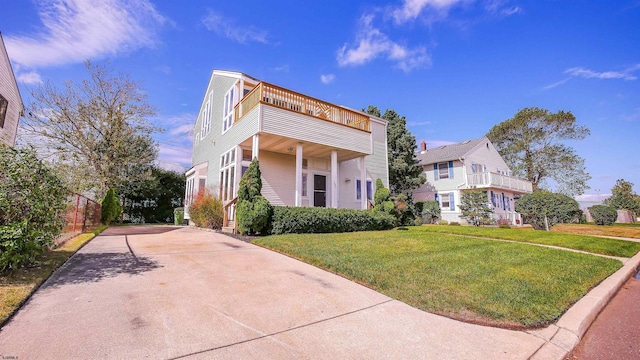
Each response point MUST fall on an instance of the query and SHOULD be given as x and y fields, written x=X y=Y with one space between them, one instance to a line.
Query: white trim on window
x=227 y=111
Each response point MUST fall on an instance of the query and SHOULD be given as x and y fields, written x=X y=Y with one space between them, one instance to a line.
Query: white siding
x=278 y=178
x=9 y=90
x=309 y=129
x=485 y=155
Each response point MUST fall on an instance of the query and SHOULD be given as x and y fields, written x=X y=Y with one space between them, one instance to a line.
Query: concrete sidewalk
x=187 y=293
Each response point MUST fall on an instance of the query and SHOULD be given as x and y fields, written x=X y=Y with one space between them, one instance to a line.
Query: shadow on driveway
x=93 y=267
x=139 y=230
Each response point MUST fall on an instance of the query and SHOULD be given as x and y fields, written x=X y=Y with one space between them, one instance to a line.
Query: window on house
x=447 y=201
x=227 y=175
x=304 y=184
x=4 y=104
x=443 y=170
x=246 y=154
x=189 y=195
x=206 y=119
x=227 y=116
x=359 y=190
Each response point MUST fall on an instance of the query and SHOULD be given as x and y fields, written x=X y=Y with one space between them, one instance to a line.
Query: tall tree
x=154 y=200
x=475 y=208
x=623 y=197
x=96 y=131
x=404 y=173
x=532 y=144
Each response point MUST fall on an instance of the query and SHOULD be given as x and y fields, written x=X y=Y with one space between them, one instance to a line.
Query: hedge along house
x=470 y=165
x=11 y=106
x=311 y=152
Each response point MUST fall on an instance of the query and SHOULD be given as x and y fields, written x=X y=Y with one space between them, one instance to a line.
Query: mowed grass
x=618 y=230
x=496 y=283
x=17 y=286
x=592 y=244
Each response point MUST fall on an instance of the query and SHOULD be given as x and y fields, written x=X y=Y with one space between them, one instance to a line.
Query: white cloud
x=327 y=79
x=556 y=84
x=432 y=144
x=229 y=28
x=31 y=77
x=75 y=30
x=372 y=43
x=411 y=9
x=626 y=74
x=182 y=129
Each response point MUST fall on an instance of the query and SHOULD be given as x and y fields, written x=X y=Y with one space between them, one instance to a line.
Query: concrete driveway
x=172 y=293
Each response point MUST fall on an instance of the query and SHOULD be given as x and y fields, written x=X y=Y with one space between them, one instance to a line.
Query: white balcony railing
x=489 y=179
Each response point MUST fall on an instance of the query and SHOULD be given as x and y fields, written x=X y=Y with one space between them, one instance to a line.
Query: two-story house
x=311 y=152
x=11 y=107
x=471 y=164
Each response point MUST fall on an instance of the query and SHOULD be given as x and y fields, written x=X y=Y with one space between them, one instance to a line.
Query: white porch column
x=363 y=184
x=255 y=149
x=298 y=175
x=334 y=179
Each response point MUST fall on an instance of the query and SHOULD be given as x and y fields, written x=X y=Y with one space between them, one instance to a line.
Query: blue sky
x=454 y=68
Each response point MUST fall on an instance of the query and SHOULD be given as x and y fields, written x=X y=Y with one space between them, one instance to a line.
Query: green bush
x=302 y=220
x=430 y=211
x=454 y=223
x=504 y=226
x=111 y=208
x=33 y=204
x=603 y=215
x=253 y=212
x=178 y=216
x=444 y=222
x=417 y=221
x=254 y=217
x=557 y=208
x=207 y=210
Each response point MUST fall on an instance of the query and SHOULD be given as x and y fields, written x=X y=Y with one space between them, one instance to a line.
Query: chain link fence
x=83 y=214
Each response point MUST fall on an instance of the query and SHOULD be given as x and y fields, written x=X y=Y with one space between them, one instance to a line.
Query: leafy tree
x=111 y=208
x=543 y=209
x=404 y=173
x=33 y=204
x=532 y=144
x=603 y=215
x=475 y=207
x=430 y=211
x=623 y=197
x=95 y=131
x=253 y=211
x=154 y=200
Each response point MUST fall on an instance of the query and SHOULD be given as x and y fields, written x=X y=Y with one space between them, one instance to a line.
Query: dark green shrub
x=302 y=220
x=382 y=194
x=556 y=208
x=417 y=221
x=207 y=210
x=253 y=212
x=603 y=215
x=475 y=208
x=430 y=211
x=33 y=204
x=111 y=208
x=255 y=215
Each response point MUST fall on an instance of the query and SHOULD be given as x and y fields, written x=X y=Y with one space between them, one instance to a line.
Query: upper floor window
x=4 y=104
x=206 y=119
x=443 y=170
x=227 y=116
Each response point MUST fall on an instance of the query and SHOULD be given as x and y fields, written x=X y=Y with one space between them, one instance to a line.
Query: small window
x=4 y=104
x=359 y=190
x=443 y=171
x=246 y=155
x=304 y=184
x=227 y=116
x=444 y=203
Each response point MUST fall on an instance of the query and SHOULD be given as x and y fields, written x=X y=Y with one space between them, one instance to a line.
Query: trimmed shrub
x=255 y=215
x=178 y=216
x=417 y=221
x=443 y=222
x=454 y=223
x=556 y=208
x=111 y=208
x=302 y=220
x=207 y=210
x=430 y=211
x=33 y=204
x=603 y=215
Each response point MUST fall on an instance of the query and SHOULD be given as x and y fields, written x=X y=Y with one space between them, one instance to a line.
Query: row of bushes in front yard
x=304 y=220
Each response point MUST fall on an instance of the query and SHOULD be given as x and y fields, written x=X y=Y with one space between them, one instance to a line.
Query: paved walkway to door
x=168 y=293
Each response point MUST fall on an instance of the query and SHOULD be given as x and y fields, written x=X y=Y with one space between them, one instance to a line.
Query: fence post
x=75 y=215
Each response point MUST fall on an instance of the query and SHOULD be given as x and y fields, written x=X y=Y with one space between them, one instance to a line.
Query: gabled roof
x=449 y=152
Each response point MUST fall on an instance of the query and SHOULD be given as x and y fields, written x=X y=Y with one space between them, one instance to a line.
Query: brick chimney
x=423 y=147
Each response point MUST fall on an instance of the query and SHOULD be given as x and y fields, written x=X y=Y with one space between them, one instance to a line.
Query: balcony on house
x=282 y=98
x=500 y=181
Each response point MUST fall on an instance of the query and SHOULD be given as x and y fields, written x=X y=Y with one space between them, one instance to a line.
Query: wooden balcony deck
x=272 y=95
x=490 y=179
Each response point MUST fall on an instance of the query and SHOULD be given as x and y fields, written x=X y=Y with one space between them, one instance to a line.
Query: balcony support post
x=334 y=179
x=255 y=149
x=298 y=197
x=363 y=185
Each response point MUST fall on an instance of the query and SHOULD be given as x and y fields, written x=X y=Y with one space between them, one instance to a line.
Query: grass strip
x=618 y=230
x=592 y=244
x=494 y=283
x=16 y=286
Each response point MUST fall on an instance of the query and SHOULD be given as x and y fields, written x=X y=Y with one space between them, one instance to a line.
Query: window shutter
x=493 y=199
x=437 y=200
x=435 y=172
x=450 y=169
x=452 y=205
x=504 y=206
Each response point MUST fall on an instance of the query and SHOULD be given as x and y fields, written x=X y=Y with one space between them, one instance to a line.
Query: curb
x=562 y=337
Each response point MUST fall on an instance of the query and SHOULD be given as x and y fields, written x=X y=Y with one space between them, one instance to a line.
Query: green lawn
x=593 y=244
x=619 y=230
x=497 y=283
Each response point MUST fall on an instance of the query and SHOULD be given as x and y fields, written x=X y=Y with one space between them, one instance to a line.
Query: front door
x=319 y=190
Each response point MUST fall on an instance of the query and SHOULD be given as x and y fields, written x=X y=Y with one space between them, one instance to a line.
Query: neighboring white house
x=472 y=164
x=311 y=152
x=11 y=106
